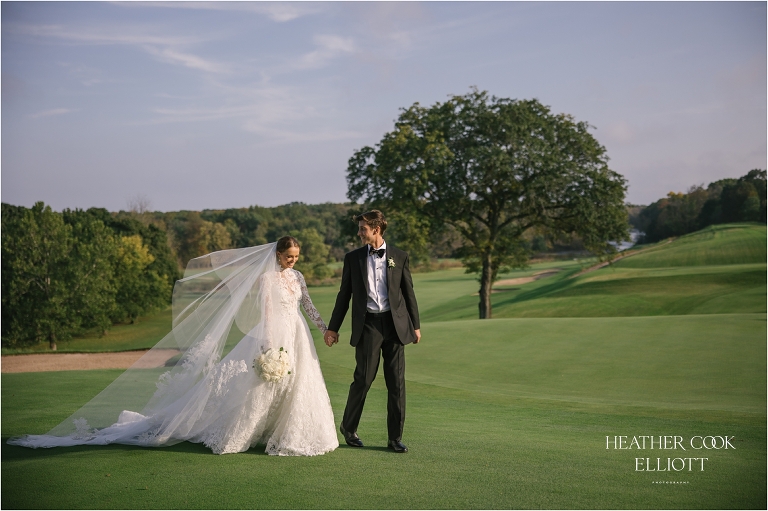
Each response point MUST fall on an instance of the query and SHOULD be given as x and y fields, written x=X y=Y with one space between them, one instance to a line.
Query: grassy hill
x=728 y=244
x=721 y=269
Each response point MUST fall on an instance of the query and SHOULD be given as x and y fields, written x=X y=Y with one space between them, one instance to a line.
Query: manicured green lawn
x=506 y=413
x=501 y=414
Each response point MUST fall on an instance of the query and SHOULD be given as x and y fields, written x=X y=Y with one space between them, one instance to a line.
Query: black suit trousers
x=379 y=340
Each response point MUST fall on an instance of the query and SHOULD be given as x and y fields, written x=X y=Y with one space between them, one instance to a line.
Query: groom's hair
x=374 y=218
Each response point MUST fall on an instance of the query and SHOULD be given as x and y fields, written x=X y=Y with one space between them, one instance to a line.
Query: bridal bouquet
x=272 y=365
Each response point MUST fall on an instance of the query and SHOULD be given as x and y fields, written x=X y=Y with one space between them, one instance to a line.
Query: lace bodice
x=293 y=291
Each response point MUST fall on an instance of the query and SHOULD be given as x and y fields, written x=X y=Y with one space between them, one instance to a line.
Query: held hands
x=330 y=338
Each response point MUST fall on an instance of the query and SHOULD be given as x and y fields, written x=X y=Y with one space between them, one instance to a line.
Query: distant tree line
x=63 y=273
x=84 y=270
x=723 y=201
x=325 y=231
x=67 y=272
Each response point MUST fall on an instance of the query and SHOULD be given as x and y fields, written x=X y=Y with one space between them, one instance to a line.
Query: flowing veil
x=220 y=299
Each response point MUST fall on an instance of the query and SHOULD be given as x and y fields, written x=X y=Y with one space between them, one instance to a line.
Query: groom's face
x=366 y=234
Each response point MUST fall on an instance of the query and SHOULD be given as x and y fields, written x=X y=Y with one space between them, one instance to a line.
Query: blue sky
x=217 y=105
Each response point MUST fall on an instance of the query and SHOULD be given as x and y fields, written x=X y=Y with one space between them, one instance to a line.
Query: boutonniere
x=390 y=263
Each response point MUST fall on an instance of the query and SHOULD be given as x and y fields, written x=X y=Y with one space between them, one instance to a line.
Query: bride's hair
x=287 y=242
x=373 y=218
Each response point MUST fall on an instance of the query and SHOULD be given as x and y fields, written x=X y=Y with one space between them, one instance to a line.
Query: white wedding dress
x=223 y=402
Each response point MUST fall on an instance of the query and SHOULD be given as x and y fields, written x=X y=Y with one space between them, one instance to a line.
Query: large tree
x=493 y=168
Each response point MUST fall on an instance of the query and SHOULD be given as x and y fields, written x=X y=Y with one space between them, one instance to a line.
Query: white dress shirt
x=378 y=300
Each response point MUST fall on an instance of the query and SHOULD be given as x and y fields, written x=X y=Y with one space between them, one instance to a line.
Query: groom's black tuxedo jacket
x=354 y=284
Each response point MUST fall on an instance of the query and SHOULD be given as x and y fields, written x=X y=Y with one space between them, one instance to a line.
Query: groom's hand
x=330 y=338
x=418 y=336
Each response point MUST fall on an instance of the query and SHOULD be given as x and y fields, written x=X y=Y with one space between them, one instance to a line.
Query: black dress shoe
x=397 y=446
x=351 y=438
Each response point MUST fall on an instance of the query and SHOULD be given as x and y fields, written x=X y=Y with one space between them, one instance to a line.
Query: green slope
x=719 y=270
x=728 y=244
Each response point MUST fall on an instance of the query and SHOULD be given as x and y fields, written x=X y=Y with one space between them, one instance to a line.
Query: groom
x=385 y=318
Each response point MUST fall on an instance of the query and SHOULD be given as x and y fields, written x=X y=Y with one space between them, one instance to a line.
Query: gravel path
x=83 y=361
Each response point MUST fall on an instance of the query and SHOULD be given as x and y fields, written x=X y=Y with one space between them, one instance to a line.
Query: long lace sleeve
x=309 y=308
x=266 y=284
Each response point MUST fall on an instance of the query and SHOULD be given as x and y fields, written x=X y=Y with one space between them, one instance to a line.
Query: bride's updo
x=287 y=242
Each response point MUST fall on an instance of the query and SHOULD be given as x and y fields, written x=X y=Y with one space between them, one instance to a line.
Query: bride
x=227 y=399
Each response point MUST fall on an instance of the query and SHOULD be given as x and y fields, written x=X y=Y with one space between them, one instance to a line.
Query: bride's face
x=288 y=258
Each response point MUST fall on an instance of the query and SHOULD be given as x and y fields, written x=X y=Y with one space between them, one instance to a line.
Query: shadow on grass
x=15 y=452
x=668 y=294
x=562 y=283
x=368 y=448
x=464 y=307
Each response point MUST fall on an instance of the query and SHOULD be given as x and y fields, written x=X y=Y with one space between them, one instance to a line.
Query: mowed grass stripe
x=732 y=289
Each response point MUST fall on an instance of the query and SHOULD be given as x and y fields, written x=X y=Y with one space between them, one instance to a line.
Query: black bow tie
x=379 y=252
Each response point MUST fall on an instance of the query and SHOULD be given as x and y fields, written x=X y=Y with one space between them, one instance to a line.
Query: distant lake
x=634 y=235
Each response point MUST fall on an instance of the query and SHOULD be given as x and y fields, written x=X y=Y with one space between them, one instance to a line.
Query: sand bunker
x=524 y=280
x=83 y=361
x=519 y=281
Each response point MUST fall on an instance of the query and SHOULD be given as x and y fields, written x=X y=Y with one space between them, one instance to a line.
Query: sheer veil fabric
x=208 y=390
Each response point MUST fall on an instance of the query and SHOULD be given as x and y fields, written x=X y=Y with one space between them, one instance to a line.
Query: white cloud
x=135 y=35
x=165 y=48
x=328 y=48
x=335 y=44
x=51 y=113
x=284 y=11
x=275 y=114
x=293 y=136
x=174 y=56
x=280 y=12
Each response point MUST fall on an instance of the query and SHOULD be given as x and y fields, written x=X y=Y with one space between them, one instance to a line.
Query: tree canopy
x=492 y=168
x=63 y=273
x=56 y=276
